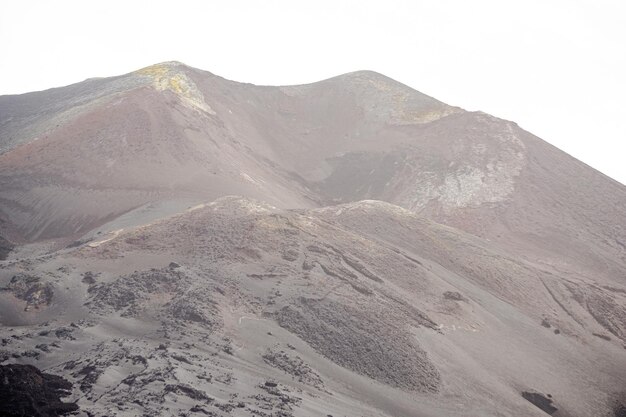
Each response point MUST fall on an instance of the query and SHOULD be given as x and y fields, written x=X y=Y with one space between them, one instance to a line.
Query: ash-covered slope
x=491 y=276
x=239 y=308
x=167 y=136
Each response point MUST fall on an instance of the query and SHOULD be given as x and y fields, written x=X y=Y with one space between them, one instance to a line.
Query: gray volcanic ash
x=181 y=244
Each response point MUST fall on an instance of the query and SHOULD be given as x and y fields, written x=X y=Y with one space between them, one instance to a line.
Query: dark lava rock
x=540 y=401
x=453 y=295
x=5 y=248
x=174 y=265
x=294 y=366
x=358 y=339
x=184 y=309
x=43 y=347
x=29 y=288
x=90 y=375
x=619 y=405
x=89 y=278
x=78 y=243
x=188 y=391
x=64 y=333
x=181 y=358
x=200 y=409
x=26 y=391
x=129 y=293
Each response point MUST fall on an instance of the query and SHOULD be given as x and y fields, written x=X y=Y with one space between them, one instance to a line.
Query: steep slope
x=469 y=269
x=78 y=156
x=170 y=135
x=238 y=307
x=153 y=141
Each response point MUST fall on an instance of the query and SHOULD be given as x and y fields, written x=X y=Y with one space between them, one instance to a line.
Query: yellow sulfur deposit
x=170 y=76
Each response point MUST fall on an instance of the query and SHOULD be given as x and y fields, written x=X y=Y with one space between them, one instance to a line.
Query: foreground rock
x=26 y=391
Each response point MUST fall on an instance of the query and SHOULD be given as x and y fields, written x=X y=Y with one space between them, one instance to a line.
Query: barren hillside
x=181 y=244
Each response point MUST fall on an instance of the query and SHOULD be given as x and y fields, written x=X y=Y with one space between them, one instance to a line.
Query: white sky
x=557 y=67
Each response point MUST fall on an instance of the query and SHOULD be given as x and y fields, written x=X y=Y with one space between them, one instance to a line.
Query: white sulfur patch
x=487 y=175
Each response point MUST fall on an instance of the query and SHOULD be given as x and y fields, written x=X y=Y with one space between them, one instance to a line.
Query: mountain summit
x=178 y=243
x=76 y=157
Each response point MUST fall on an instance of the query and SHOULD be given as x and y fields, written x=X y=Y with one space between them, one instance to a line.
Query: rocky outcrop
x=540 y=401
x=26 y=391
x=5 y=248
x=32 y=290
x=166 y=290
x=362 y=342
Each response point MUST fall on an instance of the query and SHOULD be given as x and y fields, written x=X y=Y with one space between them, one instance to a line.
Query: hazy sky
x=557 y=67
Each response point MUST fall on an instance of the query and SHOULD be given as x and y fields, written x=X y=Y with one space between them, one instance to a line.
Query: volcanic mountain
x=182 y=244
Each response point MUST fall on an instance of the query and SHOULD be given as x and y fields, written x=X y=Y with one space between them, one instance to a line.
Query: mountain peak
x=402 y=104
x=161 y=68
x=365 y=73
x=171 y=76
x=163 y=65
